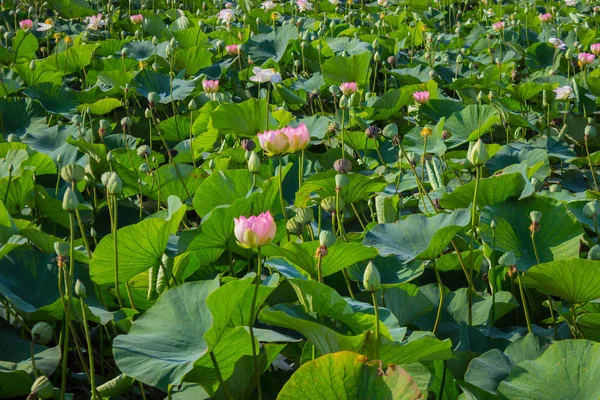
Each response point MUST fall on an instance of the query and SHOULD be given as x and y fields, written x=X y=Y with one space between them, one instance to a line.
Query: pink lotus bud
x=547 y=17
x=210 y=86
x=137 y=19
x=349 y=88
x=255 y=231
x=229 y=5
x=274 y=142
x=298 y=137
x=585 y=58
x=498 y=26
x=26 y=24
x=421 y=97
x=232 y=49
x=595 y=48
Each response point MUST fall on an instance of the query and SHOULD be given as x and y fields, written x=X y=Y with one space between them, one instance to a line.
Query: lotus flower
x=595 y=48
x=210 y=86
x=268 y=5
x=226 y=16
x=137 y=19
x=348 y=88
x=547 y=17
x=232 y=49
x=557 y=43
x=45 y=26
x=571 y=3
x=274 y=142
x=421 y=97
x=298 y=137
x=265 y=75
x=585 y=58
x=94 y=22
x=26 y=24
x=303 y=5
x=564 y=93
x=255 y=231
x=498 y=26
x=382 y=3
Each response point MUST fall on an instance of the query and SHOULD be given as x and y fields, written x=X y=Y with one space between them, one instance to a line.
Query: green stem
x=69 y=295
x=376 y=307
x=319 y=272
x=115 y=220
x=32 y=349
x=441 y=290
x=90 y=351
x=471 y=257
x=252 y=317
x=219 y=376
x=524 y=302
x=281 y=194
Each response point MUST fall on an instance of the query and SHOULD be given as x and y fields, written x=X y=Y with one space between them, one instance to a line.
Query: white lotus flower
x=94 y=22
x=226 y=15
x=564 y=93
x=268 y=5
x=45 y=26
x=265 y=75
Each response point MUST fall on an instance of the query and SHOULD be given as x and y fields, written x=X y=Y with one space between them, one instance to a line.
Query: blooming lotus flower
x=298 y=137
x=571 y=3
x=265 y=75
x=557 y=43
x=210 y=86
x=498 y=26
x=268 y=5
x=137 y=19
x=94 y=22
x=547 y=17
x=421 y=97
x=26 y=24
x=585 y=58
x=232 y=49
x=45 y=26
x=564 y=93
x=382 y=3
x=226 y=16
x=274 y=142
x=255 y=231
x=349 y=88
x=334 y=2
x=303 y=5
x=595 y=48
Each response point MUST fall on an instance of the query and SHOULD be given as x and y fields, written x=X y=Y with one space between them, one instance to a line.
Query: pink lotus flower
x=349 y=88
x=137 y=19
x=585 y=58
x=303 y=5
x=421 y=97
x=595 y=48
x=498 y=26
x=547 y=17
x=274 y=142
x=94 y=22
x=298 y=137
x=233 y=49
x=255 y=231
x=563 y=93
x=26 y=24
x=210 y=86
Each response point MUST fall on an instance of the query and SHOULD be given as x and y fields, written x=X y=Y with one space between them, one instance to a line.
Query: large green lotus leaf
x=175 y=129
x=351 y=46
x=494 y=190
x=407 y=303
x=190 y=37
x=575 y=280
x=8 y=226
x=73 y=60
x=417 y=236
x=150 y=81
x=576 y=207
x=339 y=256
x=101 y=107
x=488 y=370
x=24 y=46
x=569 y=369
x=590 y=326
x=470 y=123
x=139 y=246
x=322 y=184
x=535 y=159
x=171 y=182
x=18 y=191
x=16 y=372
x=71 y=8
x=557 y=239
x=414 y=142
x=21 y=156
x=55 y=99
x=193 y=59
x=244 y=119
x=457 y=306
x=272 y=45
x=220 y=188
x=11 y=83
x=393 y=272
x=527 y=90
x=164 y=343
x=42 y=73
x=339 y=69
x=24 y=114
x=350 y=376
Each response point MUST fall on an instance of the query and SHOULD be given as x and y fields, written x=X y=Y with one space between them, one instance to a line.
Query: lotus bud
x=145 y=168
x=126 y=122
x=77 y=120
x=493 y=224
x=253 y=163
x=592 y=209
x=371 y=278
x=41 y=388
x=153 y=98
x=70 y=201
x=372 y=132
x=42 y=333
x=148 y=113
x=80 y=289
x=114 y=185
x=594 y=253
x=327 y=238
x=110 y=157
x=536 y=217
x=72 y=173
x=478 y=155
x=192 y=106
x=104 y=124
x=211 y=163
x=341 y=181
x=344 y=102
x=390 y=131
x=590 y=131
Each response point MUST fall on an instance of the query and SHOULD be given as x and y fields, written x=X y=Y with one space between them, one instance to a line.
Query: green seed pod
x=384 y=206
x=114 y=185
x=477 y=154
x=536 y=216
x=371 y=278
x=164 y=272
x=592 y=209
x=153 y=98
x=80 y=289
x=390 y=131
x=126 y=122
x=294 y=226
x=590 y=131
x=306 y=215
x=327 y=238
x=62 y=249
x=42 y=333
x=70 y=201
x=594 y=253
x=144 y=151
x=42 y=388
x=72 y=173
x=104 y=124
x=341 y=181
x=152 y=274
x=328 y=204
x=507 y=259
x=254 y=163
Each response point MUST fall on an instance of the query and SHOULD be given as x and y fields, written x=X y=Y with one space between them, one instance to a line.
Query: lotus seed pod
x=42 y=388
x=70 y=201
x=153 y=98
x=371 y=278
x=384 y=206
x=192 y=106
x=12 y=138
x=80 y=289
x=254 y=163
x=372 y=132
x=306 y=215
x=327 y=238
x=592 y=209
x=341 y=181
x=328 y=204
x=144 y=151
x=126 y=122
x=590 y=131
x=536 y=216
x=342 y=165
x=72 y=173
x=62 y=249
x=114 y=184
x=594 y=253
x=294 y=226
x=478 y=155
x=554 y=188
x=536 y=183
x=507 y=259
x=42 y=333
x=77 y=120
x=104 y=124
x=390 y=131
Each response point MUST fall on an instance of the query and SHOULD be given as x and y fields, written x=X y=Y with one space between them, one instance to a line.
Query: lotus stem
x=251 y=324
x=441 y=290
x=219 y=376
x=471 y=255
x=281 y=194
x=69 y=304
x=90 y=351
x=115 y=219
x=524 y=301
x=377 y=334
